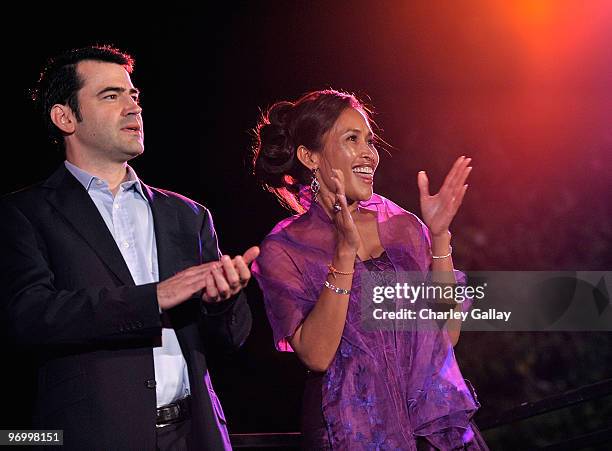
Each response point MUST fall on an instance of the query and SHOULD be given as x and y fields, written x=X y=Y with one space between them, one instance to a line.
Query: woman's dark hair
x=285 y=127
x=59 y=81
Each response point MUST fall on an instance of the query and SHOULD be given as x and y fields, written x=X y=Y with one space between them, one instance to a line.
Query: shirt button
x=125 y=244
x=116 y=206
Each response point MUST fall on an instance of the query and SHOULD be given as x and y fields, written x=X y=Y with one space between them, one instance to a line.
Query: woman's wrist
x=440 y=244
x=344 y=258
x=442 y=236
x=441 y=239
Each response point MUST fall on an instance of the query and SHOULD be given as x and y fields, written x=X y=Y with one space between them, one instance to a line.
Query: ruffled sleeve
x=283 y=287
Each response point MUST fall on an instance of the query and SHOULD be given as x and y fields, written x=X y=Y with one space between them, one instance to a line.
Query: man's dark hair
x=59 y=81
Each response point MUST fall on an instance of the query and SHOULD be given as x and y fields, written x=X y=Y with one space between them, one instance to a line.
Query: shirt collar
x=133 y=181
x=86 y=179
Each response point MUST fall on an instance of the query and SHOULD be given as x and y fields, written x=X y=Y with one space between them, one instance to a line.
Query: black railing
x=280 y=440
x=526 y=410
x=291 y=440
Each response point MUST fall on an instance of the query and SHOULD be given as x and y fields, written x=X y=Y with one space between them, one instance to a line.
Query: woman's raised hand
x=347 y=233
x=439 y=210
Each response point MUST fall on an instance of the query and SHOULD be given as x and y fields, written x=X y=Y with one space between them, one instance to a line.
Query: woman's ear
x=308 y=158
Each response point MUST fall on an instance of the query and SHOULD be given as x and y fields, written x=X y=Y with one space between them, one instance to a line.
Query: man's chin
x=133 y=152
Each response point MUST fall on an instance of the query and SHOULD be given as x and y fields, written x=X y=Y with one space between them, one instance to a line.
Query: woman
x=380 y=389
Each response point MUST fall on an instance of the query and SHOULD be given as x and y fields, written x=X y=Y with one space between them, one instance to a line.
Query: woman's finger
x=339 y=189
x=451 y=177
x=451 y=173
x=423 y=183
x=346 y=214
x=338 y=181
x=459 y=181
x=328 y=200
x=455 y=181
x=459 y=198
x=463 y=178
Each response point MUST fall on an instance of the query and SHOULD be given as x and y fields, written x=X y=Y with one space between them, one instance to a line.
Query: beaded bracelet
x=333 y=271
x=444 y=256
x=336 y=289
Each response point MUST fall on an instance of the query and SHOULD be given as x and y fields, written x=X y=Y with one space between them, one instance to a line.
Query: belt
x=174 y=412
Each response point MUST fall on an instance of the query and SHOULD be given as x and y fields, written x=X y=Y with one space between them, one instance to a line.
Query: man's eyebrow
x=118 y=90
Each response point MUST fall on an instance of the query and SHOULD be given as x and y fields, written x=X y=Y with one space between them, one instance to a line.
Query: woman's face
x=349 y=147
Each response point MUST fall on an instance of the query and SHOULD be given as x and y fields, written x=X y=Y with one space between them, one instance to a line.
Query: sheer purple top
x=384 y=388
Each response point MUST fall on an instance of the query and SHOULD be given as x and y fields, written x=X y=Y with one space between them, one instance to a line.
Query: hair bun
x=276 y=153
x=277 y=114
x=286 y=126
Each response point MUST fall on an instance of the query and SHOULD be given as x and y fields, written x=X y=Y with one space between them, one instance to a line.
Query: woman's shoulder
x=291 y=247
x=282 y=235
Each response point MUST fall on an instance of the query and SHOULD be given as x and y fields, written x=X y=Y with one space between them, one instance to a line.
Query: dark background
x=523 y=87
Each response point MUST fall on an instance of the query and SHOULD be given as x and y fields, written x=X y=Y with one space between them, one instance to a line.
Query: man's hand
x=229 y=276
x=220 y=280
x=180 y=287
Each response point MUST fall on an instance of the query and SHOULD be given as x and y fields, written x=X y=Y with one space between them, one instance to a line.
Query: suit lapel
x=167 y=228
x=71 y=200
x=169 y=258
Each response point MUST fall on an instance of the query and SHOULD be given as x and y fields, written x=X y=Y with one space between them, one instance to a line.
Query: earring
x=315 y=186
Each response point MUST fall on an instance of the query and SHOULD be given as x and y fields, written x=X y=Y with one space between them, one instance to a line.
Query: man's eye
x=136 y=99
x=352 y=138
x=111 y=96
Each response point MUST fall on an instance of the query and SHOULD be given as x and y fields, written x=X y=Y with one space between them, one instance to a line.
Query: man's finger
x=250 y=255
x=197 y=270
x=243 y=270
x=230 y=272
x=211 y=289
x=222 y=285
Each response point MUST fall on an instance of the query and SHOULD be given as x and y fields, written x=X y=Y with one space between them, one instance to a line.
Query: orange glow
x=555 y=36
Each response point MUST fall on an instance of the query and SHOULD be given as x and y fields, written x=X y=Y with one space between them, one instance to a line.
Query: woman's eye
x=352 y=138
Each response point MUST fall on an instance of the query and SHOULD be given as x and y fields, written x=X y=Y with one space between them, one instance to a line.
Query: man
x=119 y=288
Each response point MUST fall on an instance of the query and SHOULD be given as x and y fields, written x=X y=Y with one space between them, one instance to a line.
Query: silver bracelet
x=336 y=289
x=444 y=256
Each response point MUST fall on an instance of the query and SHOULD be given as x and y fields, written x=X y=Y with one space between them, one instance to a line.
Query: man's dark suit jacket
x=69 y=296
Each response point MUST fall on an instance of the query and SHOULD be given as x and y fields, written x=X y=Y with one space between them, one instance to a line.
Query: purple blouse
x=384 y=388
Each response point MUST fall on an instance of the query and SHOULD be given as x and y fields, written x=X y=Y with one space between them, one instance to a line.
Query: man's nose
x=132 y=107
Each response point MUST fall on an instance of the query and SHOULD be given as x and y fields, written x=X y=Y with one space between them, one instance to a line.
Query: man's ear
x=63 y=118
x=308 y=158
